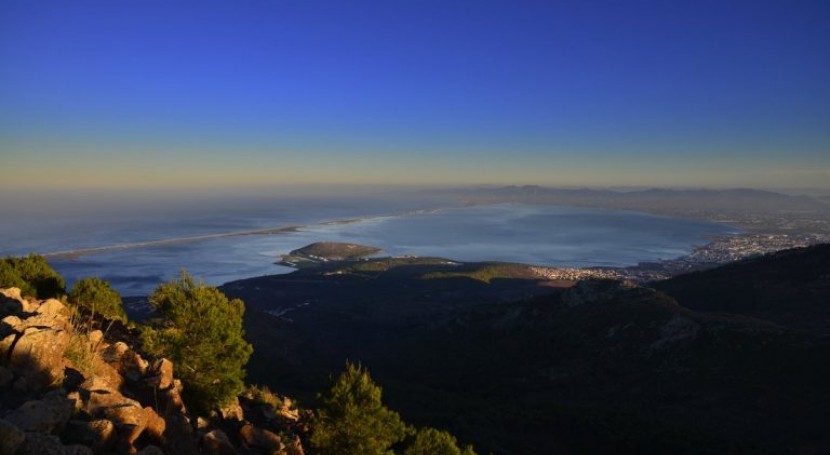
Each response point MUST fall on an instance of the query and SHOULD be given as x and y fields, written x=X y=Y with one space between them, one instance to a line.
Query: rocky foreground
x=65 y=390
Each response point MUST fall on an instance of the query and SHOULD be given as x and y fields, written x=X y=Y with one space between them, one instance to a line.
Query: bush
x=429 y=441
x=9 y=278
x=33 y=275
x=96 y=295
x=351 y=420
x=201 y=332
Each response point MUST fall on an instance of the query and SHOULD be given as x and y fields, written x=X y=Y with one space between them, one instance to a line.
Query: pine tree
x=96 y=296
x=429 y=441
x=202 y=334
x=351 y=420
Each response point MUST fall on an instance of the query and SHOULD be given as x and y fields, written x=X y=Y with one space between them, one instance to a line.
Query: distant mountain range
x=756 y=210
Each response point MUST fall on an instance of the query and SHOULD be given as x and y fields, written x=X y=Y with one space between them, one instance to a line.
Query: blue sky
x=146 y=93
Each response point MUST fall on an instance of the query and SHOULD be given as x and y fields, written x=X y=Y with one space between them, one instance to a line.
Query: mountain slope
x=790 y=287
x=518 y=367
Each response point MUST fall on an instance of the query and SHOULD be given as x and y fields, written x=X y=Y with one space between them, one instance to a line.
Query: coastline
x=79 y=252
x=719 y=248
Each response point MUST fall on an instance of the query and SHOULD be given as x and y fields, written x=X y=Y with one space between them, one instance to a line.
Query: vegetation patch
x=486 y=272
x=326 y=252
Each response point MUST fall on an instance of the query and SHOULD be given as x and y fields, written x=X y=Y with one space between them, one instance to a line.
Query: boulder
x=155 y=424
x=133 y=367
x=286 y=412
x=10 y=324
x=48 y=415
x=11 y=302
x=232 y=411
x=95 y=337
x=38 y=356
x=161 y=375
x=170 y=400
x=6 y=343
x=257 y=437
x=11 y=437
x=97 y=434
x=114 y=352
x=127 y=414
x=216 y=442
x=52 y=307
x=12 y=294
x=42 y=444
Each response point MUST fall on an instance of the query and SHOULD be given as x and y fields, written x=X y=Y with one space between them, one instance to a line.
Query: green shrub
x=96 y=295
x=9 y=278
x=33 y=275
x=351 y=420
x=201 y=332
x=429 y=441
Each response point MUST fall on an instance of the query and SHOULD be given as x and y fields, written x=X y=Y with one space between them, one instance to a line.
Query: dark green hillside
x=518 y=367
x=791 y=288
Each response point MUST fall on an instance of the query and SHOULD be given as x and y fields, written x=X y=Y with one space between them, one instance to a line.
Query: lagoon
x=534 y=234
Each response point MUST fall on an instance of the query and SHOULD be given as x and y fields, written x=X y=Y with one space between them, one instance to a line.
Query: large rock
x=10 y=325
x=11 y=437
x=114 y=352
x=260 y=438
x=11 y=302
x=155 y=424
x=103 y=402
x=133 y=367
x=170 y=400
x=48 y=415
x=42 y=444
x=12 y=294
x=38 y=355
x=98 y=434
x=232 y=411
x=53 y=308
x=216 y=442
x=161 y=375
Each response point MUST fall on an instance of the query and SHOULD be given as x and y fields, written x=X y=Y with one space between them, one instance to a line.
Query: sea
x=137 y=250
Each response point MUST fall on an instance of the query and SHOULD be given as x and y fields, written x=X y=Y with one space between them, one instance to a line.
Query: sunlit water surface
x=534 y=234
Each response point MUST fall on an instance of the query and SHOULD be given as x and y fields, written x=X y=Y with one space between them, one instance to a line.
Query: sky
x=138 y=94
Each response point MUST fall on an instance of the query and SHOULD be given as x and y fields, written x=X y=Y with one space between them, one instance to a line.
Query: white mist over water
x=400 y=224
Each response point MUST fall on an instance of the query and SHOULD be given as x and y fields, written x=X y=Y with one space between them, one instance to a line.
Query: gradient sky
x=145 y=93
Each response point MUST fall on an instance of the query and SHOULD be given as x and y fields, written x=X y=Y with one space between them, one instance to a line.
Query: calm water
x=545 y=235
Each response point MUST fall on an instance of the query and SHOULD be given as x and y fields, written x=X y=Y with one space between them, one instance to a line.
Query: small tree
x=96 y=295
x=202 y=334
x=429 y=441
x=351 y=419
x=9 y=278
x=33 y=275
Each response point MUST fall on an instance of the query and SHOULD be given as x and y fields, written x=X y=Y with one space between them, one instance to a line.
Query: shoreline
x=87 y=251
x=720 y=248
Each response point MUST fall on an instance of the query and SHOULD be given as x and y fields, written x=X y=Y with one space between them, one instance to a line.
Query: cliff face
x=64 y=390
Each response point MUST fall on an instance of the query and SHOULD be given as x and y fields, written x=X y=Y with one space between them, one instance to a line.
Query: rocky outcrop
x=47 y=415
x=106 y=398
x=33 y=338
